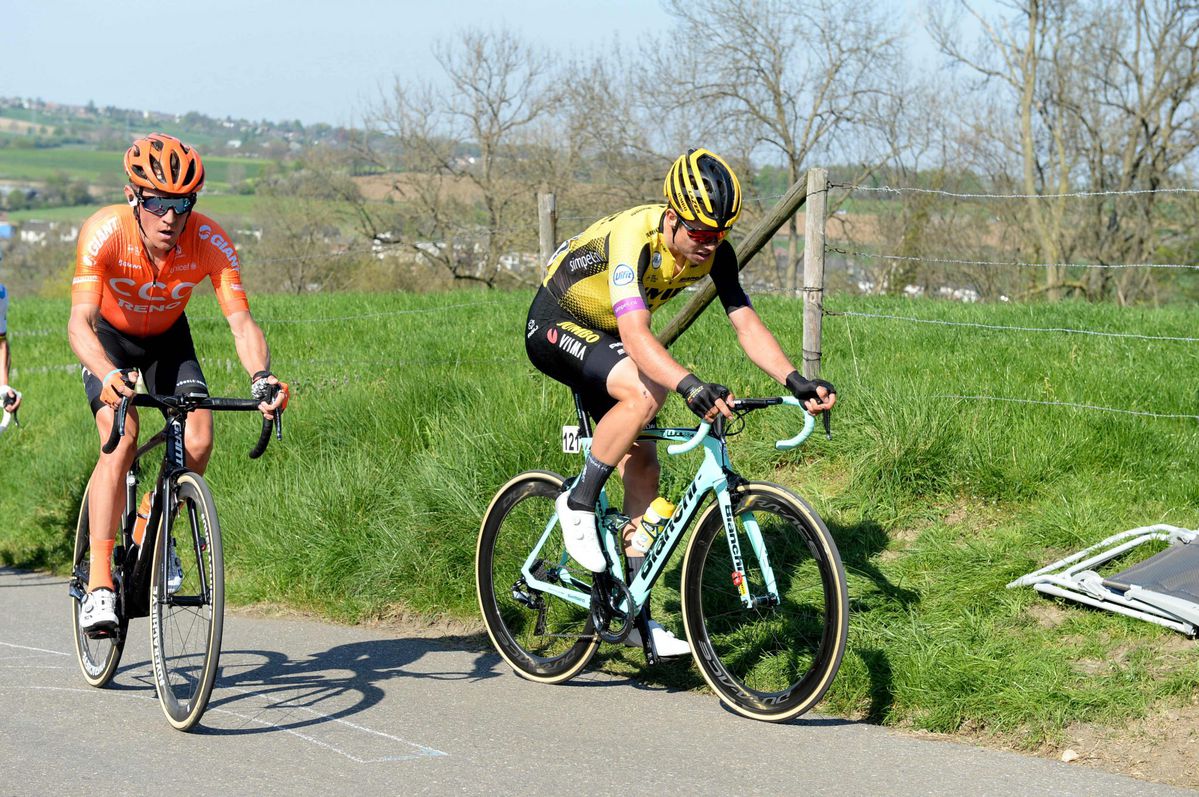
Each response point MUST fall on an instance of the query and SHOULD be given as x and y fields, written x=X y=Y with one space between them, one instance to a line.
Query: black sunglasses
x=159 y=205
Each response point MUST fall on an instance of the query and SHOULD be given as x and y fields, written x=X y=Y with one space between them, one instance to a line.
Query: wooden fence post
x=547 y=229
x=813 y=271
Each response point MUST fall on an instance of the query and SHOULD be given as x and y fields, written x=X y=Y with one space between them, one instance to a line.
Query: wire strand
x=895 y=190
x=1094 y=407
x=1009 y=328
x=910 y=259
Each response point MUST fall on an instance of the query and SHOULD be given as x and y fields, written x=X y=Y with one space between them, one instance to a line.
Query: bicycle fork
x=753 y=533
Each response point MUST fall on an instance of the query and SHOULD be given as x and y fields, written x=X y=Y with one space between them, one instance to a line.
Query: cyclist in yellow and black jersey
x=624 y=263
x=589 y=328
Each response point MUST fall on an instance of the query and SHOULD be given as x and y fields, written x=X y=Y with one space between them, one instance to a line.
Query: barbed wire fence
x=858 y=253
x=824 y=307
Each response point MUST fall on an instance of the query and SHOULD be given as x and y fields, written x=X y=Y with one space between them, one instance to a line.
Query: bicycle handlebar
x=187 y=403
x=753 y=404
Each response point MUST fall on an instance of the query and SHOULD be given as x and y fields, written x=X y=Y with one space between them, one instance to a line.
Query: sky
x=312 y=60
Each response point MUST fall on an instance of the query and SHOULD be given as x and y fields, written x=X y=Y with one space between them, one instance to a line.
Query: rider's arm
x=759 y=343
x=764 y=351
x=3 y=336
x=651 y=357
x=255 y=356
x=81 y=332
x=251 y=346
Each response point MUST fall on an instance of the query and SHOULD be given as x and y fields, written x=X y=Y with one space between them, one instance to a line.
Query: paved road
x=306 y=707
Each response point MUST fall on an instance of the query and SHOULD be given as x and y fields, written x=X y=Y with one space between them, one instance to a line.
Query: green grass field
x=103 y=167
x=223 y=206
x=409 y=411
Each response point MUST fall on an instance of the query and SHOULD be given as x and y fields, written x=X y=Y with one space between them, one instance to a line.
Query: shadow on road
x=332 y=685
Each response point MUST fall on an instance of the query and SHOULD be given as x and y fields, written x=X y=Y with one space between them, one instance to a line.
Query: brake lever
x=827 y=416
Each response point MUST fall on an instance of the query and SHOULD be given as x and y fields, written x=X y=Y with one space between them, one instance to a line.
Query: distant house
x=41 y=233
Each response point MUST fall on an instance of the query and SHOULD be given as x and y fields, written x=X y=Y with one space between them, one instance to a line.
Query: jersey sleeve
x=628 y=256
x=219 y=258
x=726 y=277
x=3 y=311
x=95 y=241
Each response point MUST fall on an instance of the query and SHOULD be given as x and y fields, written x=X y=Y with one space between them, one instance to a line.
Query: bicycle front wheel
x=187 y=603
x=543 y=637
x=98 y=657
x=775 y=659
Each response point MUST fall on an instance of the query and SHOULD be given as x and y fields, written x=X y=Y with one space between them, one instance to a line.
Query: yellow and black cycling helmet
x=702 y=189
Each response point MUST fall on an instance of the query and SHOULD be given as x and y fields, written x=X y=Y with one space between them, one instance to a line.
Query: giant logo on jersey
x=218 y=241
x=98 y=239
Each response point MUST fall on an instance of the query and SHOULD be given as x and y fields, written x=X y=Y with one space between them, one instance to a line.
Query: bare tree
x=785 y=78
x=466 y=161
x=1104 y=96
x=301 y=246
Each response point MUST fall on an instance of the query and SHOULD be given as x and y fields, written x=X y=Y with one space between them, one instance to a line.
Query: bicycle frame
x=133 y=579
x=714 y=475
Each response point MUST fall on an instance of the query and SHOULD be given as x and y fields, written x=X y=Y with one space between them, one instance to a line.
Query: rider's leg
x=637 y=402
x=106 y=502
x=639 y=471
x=197 y=440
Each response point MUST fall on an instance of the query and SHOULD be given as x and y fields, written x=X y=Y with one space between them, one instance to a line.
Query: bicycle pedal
x=101 y=632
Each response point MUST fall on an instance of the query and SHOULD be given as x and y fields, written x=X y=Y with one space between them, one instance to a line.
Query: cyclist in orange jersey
x=136 y=266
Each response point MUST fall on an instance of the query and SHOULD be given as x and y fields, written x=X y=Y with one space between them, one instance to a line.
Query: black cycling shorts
x=167 y=361
x=561 y=347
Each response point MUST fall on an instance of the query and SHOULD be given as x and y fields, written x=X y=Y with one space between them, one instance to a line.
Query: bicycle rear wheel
x=98 y=657
x=773 y=661
x=543 y=637
x=187 y=606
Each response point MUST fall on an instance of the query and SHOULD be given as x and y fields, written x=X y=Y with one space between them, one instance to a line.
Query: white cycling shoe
x=666 y=644
x=578 y=531
x=98 y=612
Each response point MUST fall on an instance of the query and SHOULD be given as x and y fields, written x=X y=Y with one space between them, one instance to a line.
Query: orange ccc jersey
x=113 y=270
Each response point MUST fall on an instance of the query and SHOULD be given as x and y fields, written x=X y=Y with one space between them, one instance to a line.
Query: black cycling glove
x=804 y=389
x=700 y=396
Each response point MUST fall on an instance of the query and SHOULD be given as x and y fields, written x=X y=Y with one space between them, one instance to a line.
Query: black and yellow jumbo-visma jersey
x=621 y=263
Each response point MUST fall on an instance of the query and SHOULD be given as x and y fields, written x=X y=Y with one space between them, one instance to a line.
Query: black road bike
x=175 y=576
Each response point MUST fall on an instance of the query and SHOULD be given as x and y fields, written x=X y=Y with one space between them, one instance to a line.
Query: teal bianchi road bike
x=762 y=587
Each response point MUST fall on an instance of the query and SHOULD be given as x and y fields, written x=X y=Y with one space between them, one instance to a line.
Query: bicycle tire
x=769 y=663
x=512 y=524
x=98 y=657
x=186 y=622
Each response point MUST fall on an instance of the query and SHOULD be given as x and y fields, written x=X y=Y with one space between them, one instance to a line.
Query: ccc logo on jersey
x=119 y=284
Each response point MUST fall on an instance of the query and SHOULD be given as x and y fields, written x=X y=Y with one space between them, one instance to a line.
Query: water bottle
x=652 y=523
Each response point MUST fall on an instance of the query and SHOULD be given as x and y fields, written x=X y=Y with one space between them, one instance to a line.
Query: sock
x=632 y=565
x=100 y=572
x=587 y=487
x=143 y=515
